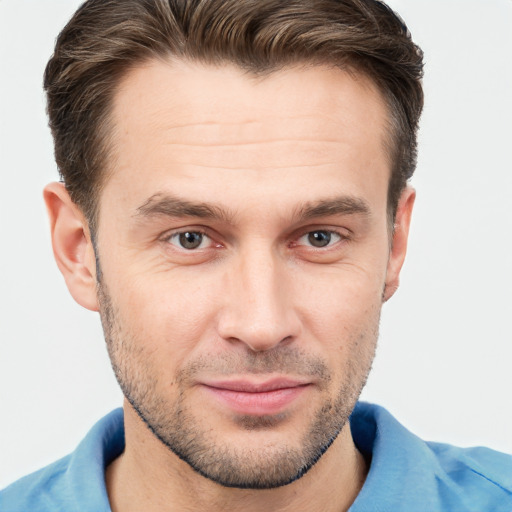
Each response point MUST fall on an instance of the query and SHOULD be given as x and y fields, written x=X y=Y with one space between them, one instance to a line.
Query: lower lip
x=258 y=404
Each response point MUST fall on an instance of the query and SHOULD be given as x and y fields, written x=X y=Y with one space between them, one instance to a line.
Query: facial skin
x=245 y=351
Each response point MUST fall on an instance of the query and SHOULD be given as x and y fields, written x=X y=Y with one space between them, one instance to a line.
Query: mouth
x=257 y=398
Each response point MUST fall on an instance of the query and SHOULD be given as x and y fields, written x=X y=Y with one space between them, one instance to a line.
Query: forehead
x=198 y=125
x=200 y=97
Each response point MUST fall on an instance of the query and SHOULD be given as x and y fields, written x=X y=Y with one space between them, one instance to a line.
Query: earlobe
x=399 y=242
x=72 y=245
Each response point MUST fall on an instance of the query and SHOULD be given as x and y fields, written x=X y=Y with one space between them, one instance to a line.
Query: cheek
x=167 y=313
x=341 y=313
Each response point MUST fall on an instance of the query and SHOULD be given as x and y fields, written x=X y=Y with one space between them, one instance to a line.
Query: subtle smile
x=262 y=398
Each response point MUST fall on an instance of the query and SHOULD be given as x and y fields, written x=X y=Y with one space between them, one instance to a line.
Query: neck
x=148 y=476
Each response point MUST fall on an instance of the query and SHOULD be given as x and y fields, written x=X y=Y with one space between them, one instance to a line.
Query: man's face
x=244 y=250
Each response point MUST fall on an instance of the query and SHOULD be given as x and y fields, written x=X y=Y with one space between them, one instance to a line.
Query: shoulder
x=75 y=482
x=43 y=490
x=485 y=475
x=407 y=473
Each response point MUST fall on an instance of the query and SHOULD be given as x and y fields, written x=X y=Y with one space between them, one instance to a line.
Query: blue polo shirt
x=406 y=474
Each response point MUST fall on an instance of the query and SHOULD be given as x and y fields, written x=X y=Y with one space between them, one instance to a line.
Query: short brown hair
x=106 y=38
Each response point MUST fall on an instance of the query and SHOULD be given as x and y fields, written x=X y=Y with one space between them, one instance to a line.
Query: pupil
x=319 y=238
x=190 y=240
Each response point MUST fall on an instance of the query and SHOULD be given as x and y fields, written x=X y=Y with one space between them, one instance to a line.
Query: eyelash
x=329 y=232
x=341 y=237
x=168 y=238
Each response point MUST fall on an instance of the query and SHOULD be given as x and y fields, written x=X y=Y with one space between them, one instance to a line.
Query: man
x=236 y=208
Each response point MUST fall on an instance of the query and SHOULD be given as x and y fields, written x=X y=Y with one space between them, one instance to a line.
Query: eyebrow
x=342 y=205
x=170 y=206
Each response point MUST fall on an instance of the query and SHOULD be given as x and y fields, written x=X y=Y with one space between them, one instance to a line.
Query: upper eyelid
x=177 y=231
x=343 y=237
x=333 y=231
x=342 y=232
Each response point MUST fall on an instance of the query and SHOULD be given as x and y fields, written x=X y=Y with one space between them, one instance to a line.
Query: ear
x=399 y=241
x=72 y=246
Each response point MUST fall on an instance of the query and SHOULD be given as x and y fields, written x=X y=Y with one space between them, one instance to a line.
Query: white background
x=443 y=365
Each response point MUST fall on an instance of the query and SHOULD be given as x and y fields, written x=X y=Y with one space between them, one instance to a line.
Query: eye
x=320 y=238
x=189 y=240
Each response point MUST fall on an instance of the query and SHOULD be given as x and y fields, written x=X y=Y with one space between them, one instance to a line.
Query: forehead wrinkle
x=259 y=169
x=266 y=141
x=251 y=127
x=163 y=204
x=236 y=133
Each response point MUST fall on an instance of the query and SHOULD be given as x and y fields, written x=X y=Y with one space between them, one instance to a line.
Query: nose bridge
x=259 y=310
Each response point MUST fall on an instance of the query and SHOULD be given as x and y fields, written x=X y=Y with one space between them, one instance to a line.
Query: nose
x=259 y=307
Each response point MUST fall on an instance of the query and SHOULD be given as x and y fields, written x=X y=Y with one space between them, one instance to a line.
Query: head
x=234 y=168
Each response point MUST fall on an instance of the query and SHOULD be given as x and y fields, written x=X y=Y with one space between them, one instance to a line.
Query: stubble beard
x=176 y=426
